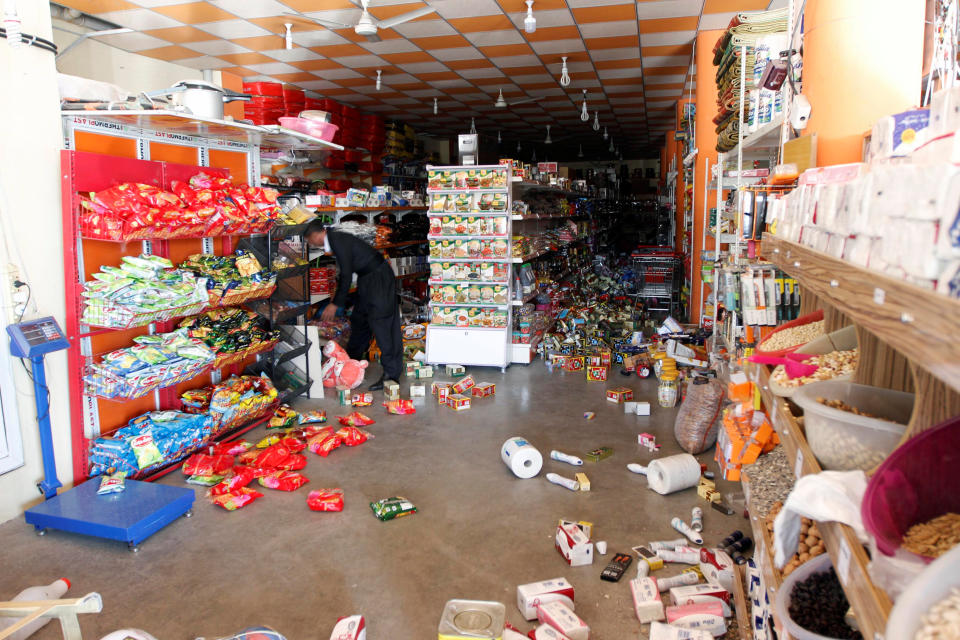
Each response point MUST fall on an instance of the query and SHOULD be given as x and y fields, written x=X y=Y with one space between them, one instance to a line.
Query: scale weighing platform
x=131 y=516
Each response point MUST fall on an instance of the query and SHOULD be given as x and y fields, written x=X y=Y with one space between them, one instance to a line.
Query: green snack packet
x=145 y=450
x=206 y=481
x=390 y=508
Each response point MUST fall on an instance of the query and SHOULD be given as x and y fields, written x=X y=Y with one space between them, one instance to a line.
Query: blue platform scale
x=131 y=516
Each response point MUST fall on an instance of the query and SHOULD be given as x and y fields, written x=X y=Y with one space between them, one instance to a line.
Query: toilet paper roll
x=522 y=457
x=673 y=473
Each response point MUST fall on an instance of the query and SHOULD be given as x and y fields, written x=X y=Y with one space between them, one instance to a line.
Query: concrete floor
x=479 y=532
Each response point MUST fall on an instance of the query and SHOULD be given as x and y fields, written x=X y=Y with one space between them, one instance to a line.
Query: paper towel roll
x=673 y=473
x=522 y=457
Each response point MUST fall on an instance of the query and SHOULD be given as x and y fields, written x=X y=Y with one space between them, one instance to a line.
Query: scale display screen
x=36 y=337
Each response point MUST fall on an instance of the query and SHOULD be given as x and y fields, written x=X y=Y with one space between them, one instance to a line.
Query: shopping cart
x=657 y=278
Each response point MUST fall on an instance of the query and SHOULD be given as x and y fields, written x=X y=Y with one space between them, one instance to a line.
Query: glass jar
x=667 y=391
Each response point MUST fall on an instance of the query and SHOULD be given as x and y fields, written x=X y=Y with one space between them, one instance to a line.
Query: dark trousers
x=377 y=311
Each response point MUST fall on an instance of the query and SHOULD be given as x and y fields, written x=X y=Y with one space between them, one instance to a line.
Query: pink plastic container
x=913 y=485
x=322 y=130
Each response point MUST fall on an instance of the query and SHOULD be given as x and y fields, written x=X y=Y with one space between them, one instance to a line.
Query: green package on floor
x=390 y=508
x=598 y=454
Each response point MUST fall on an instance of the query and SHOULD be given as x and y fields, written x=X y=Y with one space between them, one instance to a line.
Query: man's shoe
x=377 y=386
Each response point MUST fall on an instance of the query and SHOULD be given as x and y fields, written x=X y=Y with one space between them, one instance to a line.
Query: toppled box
x=483 y=390
x=563 y=619
x=574 y=545
x=532 y=595
x=646 y=599
x=699 y=617
x=619 y=394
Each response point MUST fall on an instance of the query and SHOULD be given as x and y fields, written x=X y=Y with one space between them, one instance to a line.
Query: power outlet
x=11 y=273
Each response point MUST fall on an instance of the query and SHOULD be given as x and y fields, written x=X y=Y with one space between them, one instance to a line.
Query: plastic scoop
x=793 y=364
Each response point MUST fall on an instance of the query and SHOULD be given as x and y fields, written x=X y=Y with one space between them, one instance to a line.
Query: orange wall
x=862 y=61
x=706 y=143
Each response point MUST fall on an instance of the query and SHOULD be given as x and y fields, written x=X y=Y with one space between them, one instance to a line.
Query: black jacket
x=353 y=256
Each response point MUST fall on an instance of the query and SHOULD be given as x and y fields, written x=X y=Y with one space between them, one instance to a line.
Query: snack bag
x=390 y=508
x=242 y=476
x=293 y=462
x=296 y=445
x=352 y=436
x=355 y=419
x=307 y=432
x=112 y=484
x=325 y=500
x=247 y=457
x=206 y=481
x=273 y=456
x=268 y=441
x=234 y=448
x=201 y=464
x=283 y=417
x=314 y=416
x=283 y=480
x=145 y=450
x=402 y=407
x=324 y=443
x=257 y=472
x=237 y=499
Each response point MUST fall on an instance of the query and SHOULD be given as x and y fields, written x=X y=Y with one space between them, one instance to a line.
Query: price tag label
x=798 y=464
x=843 y=561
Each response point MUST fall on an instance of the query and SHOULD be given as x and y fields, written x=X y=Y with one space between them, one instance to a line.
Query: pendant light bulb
x=584 y=114
x=379 y=72
x=580 y=151
x=605 y=134
x=596 y=121
x=564 y=74
x=529 y=23
x=288 y=36
x=473 y=126
x=498 y=138
x=518 y=147
x=434 y=106
x=611 y=144
x=533 y=158
x=500 y=103
x=548 y=140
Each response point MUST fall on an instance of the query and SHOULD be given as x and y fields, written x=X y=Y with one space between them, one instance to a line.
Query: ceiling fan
x=500 y=103
x=367 y=26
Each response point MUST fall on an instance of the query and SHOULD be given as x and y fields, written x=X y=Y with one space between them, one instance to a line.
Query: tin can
x=472 y=620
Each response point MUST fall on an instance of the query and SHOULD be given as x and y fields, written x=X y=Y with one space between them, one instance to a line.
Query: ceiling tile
x=476 y=63
x=668 y=9
x=216 y=47
x=345 y=16
x=668 y=50
x=441 y=42
x=406 y=58
x=425 y=28
x=231 y=29
x=665 y=71
x=394 y=45
x=450 y=83
x=341 y=51
x=688 y=23
x=318 y=38
x=487 y=72
x=261 y=43
x=340 y=74
x=169 y=53
x=712 y=21
x=608 y=29
x=359 y=61
x=247 y=59
x=292 y=78
x=473 y=8
x=658 y=39
x=243 y=73
x=668 y=79
x=526 y=80
x=507 y=50
x=494 y=38
x=357 y=82
x=180 y=35
x=616 y=42
x=430 y=68
x=385 y=10
x=551 y=18
x=622 y=88
x=665 y=61
x=515 y=61
x=460 y=53
x=554 y=33
x=634 y=72
x=251 y=8
x=557 y=46
x=316 y=65
x=610 y=13
x=139 y=19
x=441 y=75
x=291 y=55
x=272 y=68
x=605 y=55
x=135 y=41
x=395 y=79
x=195 y=12
x=204 y=62
x=98 y=6
x=726 y=6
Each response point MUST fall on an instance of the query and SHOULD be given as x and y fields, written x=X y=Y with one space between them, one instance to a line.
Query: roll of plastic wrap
x=522 y=457
x=673 y=473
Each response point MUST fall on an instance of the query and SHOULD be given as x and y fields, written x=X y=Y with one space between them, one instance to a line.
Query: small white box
x=563 y=619
x=643 y=408
x=574 y=545
x=699 y=617
x=661 y=631
x=681 y=595
x=532 y=595
x=630 y=407
x=418 y=391
x=546 y=632
x=646 y=600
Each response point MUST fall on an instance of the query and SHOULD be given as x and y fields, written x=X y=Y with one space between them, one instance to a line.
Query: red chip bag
x=272 y=456
x=325 y=500
x=352 y=436
x=248 y=457
x=355 y=419
x=234 y=448
x=323 y=444
x=258 y=472
x=200 y=464
x=242 y=477
x=293 y=462
x=402 y=407
x=283 y=480
x=237 y=499
x=295 y=445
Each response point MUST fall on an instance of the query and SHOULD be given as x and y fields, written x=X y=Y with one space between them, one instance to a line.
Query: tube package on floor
x=685 y=529
x=523 y=459
x=573 y=485
x=559 y=456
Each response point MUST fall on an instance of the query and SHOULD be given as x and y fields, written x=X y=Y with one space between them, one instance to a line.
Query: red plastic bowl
x=915 y=484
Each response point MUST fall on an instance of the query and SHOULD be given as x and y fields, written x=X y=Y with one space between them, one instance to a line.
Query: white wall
x=30 y=142
x=99 y=61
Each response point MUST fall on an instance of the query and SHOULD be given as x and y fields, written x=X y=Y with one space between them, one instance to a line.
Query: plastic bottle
x=52 y=591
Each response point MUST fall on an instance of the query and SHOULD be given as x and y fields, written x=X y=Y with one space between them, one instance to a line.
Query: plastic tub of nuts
x=852 y=426
x=929 y=606
x=835 y=354
x=810 y=597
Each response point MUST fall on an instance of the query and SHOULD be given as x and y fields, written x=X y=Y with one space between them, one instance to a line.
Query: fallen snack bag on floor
x=283 y=417
x=314 y=416
x=283 y=480
x=206 y=481
x=242 y=476
x=352 y=436
x=401 y=407
x=258 y=472
x=293 y=462
x=296 y=445
x=145 y=450
x=201 y=464
x=324 y=443
x=237 y=499
x=112 y=484
x=272 y=456
x=390 y=508
x=355 y=419
x=248 y=456
x=268 y=441
x=234 y=448
x=325 y=500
